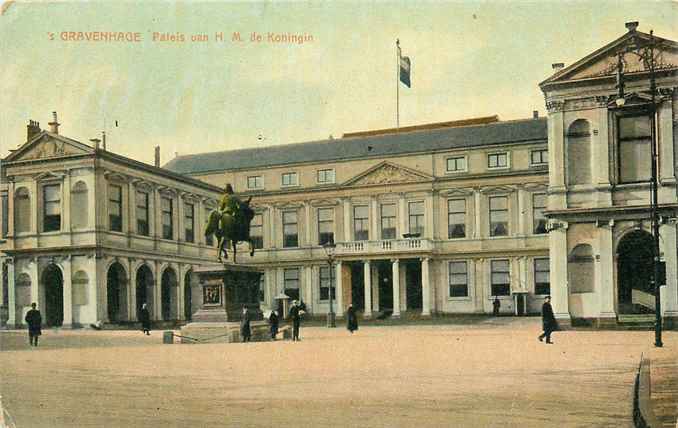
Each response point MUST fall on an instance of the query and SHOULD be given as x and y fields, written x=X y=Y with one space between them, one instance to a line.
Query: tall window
x=635 y=139
x=539 y=157
x=189 y=222
x=388 y=221
x=291 y=283
x=290 y=229
x=51 y=196
x=4 y=214
x=167 y=218
x=115 y=208
x=458 y=279
x=501 y=278
x=209 y=239
x=497 y=160
x=257 y=231
x=361 y=226
x=456 y=164
x=325 y=176
x=79 y=205
x=22 y=211
x=456 y=218
x=142 y=213
x=538 y=218
x=255 y=182
x=416 y=217
x=498 y=216
x=542 y=277
x=326 y=283
x=325 y=225
x=290 y=179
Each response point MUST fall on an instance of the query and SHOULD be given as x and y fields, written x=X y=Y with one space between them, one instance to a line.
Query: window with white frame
x=115 y=208
x=326 y=283
x=458 y=279
x=361 y=227
x=325 y=176
x=416 y=214
x=500 y=278
x=257 y=231
x=538 y=217
x=142 y=213
x=497 y=160
x=542 y=277
x=255 y=182
x=456 y=218
x=291 y=283
x=189 y=222
x=539 y=157
x=388 y=221
x=290 y=229
x=325 y=226
x=167 y=205
x=499 y=215
x=456 y=164
x=51 y=210
x=290 y=179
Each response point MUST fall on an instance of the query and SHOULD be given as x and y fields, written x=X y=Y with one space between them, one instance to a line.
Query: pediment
x=457 y=192
x=47 y=145
x=50 y=175
x=497 y=190
x=388 y=173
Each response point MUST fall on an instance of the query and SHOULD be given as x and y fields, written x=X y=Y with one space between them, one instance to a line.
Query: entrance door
x=385 y=278
x=54 y=296
x=167 y=290
x=413 y=285
x=116 y=292
x=635 y=293
x=144 y=289
x=357 y=286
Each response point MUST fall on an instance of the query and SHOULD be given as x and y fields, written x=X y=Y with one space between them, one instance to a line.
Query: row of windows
x=498 y=160
x=288 y=179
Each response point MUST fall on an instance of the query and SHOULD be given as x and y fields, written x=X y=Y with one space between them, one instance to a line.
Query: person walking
x=351 y=319
x=496 y=304
x=548 y=320
x=245 y=331
x=145 y=318
x=273 y=321
x=34 y=321
x=295 y=314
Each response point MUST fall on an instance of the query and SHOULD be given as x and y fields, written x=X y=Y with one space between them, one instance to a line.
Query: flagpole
x=397 y=83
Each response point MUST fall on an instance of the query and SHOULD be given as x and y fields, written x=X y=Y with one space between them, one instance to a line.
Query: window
x=79 y=205
x=51 y=219
x=456 y=164
x=325 y=226
x=255 y=182
x=290 y=229
x=289 y=179
x=115 y=208
x=167 y=218
x=325 y=176
x=291 y=283
x=456 y=218
x=388 y=221
x=498 y=216
x=189 y=222
x=538 y=218
x=501 y=278
x=4 y=214
x=416 y=210
x=497 y=160
x=635 y=139
x=539 y=157
x=209 y=239
x=142 y=213
x=22 y=211
x=542 y=279
x=257 y=231
x=326 y=283
x=361 y=227
x=458 y=279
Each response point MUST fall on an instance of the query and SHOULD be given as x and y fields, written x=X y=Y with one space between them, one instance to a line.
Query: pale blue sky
x=468 y=59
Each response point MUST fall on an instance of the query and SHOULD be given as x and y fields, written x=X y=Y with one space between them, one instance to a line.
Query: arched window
x=79 y=213
x=580 y=269
x=80 y=284
x=579 y=152
x=22 y=210
x=23 y=290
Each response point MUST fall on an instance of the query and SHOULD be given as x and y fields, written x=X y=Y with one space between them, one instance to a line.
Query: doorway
x=53 y=283
x=635 y=293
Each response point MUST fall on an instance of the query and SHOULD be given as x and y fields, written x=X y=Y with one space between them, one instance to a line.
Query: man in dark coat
x=296 y=320
x=245 y=331
x=548 y=320
x=351 y=319
x=145 y=318
x=34 y=321
x=495 y=306
x=273 y=321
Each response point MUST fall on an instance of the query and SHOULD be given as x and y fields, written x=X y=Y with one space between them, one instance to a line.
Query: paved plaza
x=488 y=373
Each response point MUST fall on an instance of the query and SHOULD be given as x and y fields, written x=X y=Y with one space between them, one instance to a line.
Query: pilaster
x=604 y=270
x=395 y=265
x=11 y=293
x=367 y=279
x=67 y=292
x=425 y=287
x=339 y=288
x=558 y=271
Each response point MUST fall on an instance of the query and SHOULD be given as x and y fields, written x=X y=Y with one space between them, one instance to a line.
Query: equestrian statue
x=230 y=223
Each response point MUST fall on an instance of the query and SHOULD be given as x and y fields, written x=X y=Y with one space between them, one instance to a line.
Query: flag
x=404 y=69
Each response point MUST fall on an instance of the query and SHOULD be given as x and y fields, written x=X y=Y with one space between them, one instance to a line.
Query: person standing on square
x=548 y=320
x=34 y=321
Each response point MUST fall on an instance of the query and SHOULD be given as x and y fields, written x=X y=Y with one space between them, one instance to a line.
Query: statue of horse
x=231 y=228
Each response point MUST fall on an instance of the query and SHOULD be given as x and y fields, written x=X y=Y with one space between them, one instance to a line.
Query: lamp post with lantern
x=329 y=248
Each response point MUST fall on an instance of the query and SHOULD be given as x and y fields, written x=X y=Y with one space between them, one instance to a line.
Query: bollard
x=168 y=337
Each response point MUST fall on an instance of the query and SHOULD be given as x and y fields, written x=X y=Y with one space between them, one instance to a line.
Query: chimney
x=32 y=129
x=157 y=156
x=95 y=142
x=631 y=26
x=558 y=66
x=103 y=139
x=54 y=124
x=535 y=114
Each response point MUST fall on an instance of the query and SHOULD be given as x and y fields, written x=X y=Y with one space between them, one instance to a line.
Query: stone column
x=348 y=226
x=476 y=214
x=665 y=137
x=367 y=275
x=375 y=289
x=131 y=292
x=375 y=233
x=425 y=287
x=180 y=291
x=339 y=289
x=604 y=269
x=67 y=292
x=558 y=268
x=157 y=293
x=396 y=288
x=11 y=293
x=429 y=216
x=35 y=282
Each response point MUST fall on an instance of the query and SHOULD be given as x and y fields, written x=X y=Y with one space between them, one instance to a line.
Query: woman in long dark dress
x=145 y=318
x=273 y=321
x=245 y=331
x=351 y=319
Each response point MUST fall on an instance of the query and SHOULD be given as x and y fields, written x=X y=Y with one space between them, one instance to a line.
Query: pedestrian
x=495 y=306
x=34 y=321
x=351 y=319
x=273 y=321
x=548 y=320
x=145 y=318
x=245 y=331
x=295 y=314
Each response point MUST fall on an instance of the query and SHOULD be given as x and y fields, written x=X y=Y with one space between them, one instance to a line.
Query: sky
x=469 y=59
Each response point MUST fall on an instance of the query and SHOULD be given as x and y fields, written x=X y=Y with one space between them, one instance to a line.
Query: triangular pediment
x=604 y=61
x=48 y=145
x=388 y=173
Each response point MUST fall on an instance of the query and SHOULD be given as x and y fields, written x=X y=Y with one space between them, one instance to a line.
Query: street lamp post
x=329 y=250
